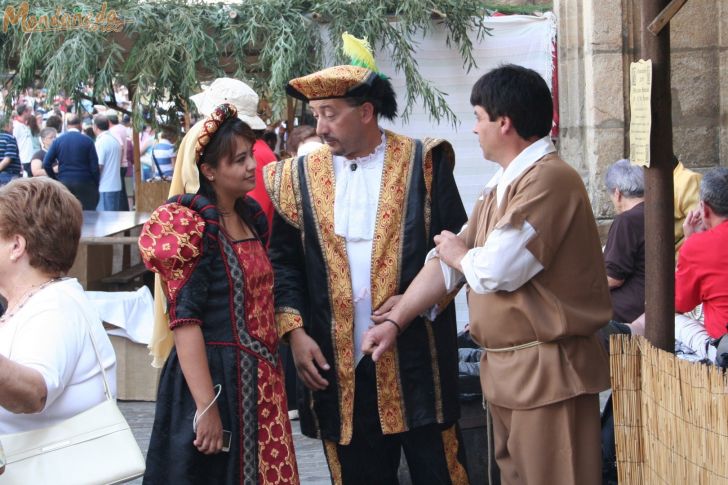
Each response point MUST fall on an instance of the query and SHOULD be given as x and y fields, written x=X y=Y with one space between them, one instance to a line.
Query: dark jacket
x=419 y=199
x=76 y=156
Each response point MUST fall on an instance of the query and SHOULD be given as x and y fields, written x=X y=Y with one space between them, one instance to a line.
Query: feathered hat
x=340 y=81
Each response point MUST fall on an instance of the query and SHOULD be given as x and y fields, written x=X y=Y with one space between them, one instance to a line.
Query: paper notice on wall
x=640 y=90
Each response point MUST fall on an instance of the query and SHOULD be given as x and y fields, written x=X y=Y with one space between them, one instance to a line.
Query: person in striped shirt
x=9 y=159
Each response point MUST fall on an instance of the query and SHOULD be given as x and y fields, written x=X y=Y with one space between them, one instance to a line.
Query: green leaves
x=168 y=47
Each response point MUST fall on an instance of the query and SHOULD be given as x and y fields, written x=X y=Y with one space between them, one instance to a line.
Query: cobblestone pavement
x=309 y=452
x=312 y=466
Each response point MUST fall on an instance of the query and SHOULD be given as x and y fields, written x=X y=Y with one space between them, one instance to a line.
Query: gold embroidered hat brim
x=333 y=82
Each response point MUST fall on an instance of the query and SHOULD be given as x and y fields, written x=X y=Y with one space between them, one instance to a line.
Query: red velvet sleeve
x=171 y=245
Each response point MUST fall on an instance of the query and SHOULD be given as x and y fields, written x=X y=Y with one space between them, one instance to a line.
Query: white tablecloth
x=131 y=312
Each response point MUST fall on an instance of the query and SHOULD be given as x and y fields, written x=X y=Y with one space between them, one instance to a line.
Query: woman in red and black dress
x=208 y=249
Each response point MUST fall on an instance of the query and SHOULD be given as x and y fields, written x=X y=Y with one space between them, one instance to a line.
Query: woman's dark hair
x=33 y=125
x=519 y=93
x=221 y=146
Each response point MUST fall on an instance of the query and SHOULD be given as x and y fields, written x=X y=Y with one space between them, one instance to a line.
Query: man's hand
x=381 y=313
x=308 y=359
x=450 y=249
x=379 y=339
x=693 y=223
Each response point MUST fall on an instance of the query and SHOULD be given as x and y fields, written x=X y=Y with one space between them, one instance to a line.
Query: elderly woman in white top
x=48 y=369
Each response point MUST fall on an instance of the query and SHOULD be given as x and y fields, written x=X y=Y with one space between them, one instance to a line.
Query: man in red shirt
x=702 y=275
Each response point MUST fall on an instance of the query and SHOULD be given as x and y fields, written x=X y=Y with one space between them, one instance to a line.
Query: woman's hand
x=193 y=360
x=209 y=431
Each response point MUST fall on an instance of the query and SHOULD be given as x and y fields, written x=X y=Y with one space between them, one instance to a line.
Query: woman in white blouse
x=48 y=368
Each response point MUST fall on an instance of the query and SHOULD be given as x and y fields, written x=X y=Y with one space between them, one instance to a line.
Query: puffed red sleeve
x=171 y=245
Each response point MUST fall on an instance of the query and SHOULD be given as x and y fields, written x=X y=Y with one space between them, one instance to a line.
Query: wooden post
x=659 y=198
x=137 y=165
x=137 y=173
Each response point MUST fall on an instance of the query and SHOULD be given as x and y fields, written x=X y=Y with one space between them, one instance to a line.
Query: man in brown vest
x=531 y=256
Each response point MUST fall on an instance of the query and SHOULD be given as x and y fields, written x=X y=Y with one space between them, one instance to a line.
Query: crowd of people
x=350 y=253
x=87 y=148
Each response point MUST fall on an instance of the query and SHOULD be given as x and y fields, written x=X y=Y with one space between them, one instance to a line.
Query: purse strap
x=89 y=330
x=107 y=388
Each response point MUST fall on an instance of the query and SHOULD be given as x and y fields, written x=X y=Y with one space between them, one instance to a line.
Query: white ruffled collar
x=357 y=194
x=366 y=160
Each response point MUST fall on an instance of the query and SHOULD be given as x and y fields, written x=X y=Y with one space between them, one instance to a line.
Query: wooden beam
x=659 y=196
x=664 y=17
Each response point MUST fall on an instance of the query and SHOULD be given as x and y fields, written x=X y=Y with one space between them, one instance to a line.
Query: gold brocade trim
x=276 y=456
x=386 y=269
x=427 y=173
x=332 y=82
x=332 y=457
x=287 y=319
x=279 y=178
x=428 y=145
x=295 y=177
x=435 y=371
x=319 y=180
x=450 y=442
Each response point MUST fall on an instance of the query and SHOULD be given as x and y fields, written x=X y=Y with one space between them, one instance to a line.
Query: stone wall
x=597 y=42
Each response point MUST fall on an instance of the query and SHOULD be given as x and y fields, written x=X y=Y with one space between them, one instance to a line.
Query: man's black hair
x=380 y=93
x=56 y=122
x=519 y=93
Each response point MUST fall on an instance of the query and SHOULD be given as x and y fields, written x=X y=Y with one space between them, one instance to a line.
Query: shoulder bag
x=94 y=447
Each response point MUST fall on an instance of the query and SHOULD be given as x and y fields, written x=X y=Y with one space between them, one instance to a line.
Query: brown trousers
x=555 y=444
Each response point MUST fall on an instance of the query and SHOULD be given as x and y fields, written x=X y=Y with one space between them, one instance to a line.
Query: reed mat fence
x=670 y=416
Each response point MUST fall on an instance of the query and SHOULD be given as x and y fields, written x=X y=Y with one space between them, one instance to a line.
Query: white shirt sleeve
x=503 y=263
x=692 y=334
x=452 y=276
